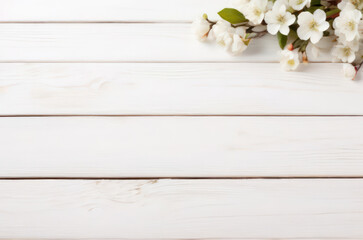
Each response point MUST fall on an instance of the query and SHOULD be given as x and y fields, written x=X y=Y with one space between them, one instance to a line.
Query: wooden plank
x=182 y=209
x=176 y=89
x=107 y=10
x=128 y=147
x=121 y=43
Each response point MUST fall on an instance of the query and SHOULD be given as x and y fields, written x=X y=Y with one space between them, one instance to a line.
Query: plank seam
x=163 y=62
x=176 y=178
x=95 y=22
x=171 y=115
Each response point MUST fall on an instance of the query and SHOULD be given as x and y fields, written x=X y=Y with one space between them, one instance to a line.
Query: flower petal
x=351 y=58
x=304 y=18
x=284 y=29
x=273 y=28
x=290 y=18
x=323 y=26
x=316 y=36
x=349 y=71
x=319 y=16
x=282 y=9
x=270 y=17
x=304 y=33
x=357 y=15
x=241 y=31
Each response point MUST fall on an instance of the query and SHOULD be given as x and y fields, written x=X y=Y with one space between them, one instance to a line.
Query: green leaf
x=332 y=12
x=314 y=8
x=315 y=3
x=303 y=46
x=292 y=35
x=232 y=15
x=282 y=40
x=297 y=43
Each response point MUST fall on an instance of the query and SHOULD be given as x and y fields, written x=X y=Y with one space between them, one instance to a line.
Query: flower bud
x=290 y=47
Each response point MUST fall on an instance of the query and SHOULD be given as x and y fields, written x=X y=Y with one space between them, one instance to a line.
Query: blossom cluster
x=297 y=24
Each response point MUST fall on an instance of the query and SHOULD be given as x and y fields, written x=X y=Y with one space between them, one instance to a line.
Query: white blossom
x=232 y=39
x=201 y=28
x=312 y=26
x=354 y=42
x=323 y=46
x=345 y=52
x=349 y=71
x=298 y=4
x=356 y=3
x=221 y=31
x=238 y=45
x=278 y=19
x=255 y=11
x=289 y=60
x=347 y=23
x=240 y=5
x=315 y=50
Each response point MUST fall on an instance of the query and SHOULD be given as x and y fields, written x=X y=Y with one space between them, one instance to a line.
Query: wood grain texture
x=107 y=10
x=128 y=147
x=182 y=209
x=146 y=62
x=122 y=43
x=177 y=89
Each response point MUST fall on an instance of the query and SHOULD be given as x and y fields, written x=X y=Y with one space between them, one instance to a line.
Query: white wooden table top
x=115 y=123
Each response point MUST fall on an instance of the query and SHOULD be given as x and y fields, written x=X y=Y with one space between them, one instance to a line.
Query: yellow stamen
x=313 y=25
x=347 y=51
x=351 y=26
x=291 y=62
x=281 y=19
x=257 y=12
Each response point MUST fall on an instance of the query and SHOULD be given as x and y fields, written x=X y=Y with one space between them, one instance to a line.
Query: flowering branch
x=297 y=24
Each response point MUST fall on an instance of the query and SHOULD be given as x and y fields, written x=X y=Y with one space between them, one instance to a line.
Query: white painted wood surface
x=176 y=89
x=182 y=209
x=139 y=147
x=117 y=42
x=107 y=10
x=125 y=57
